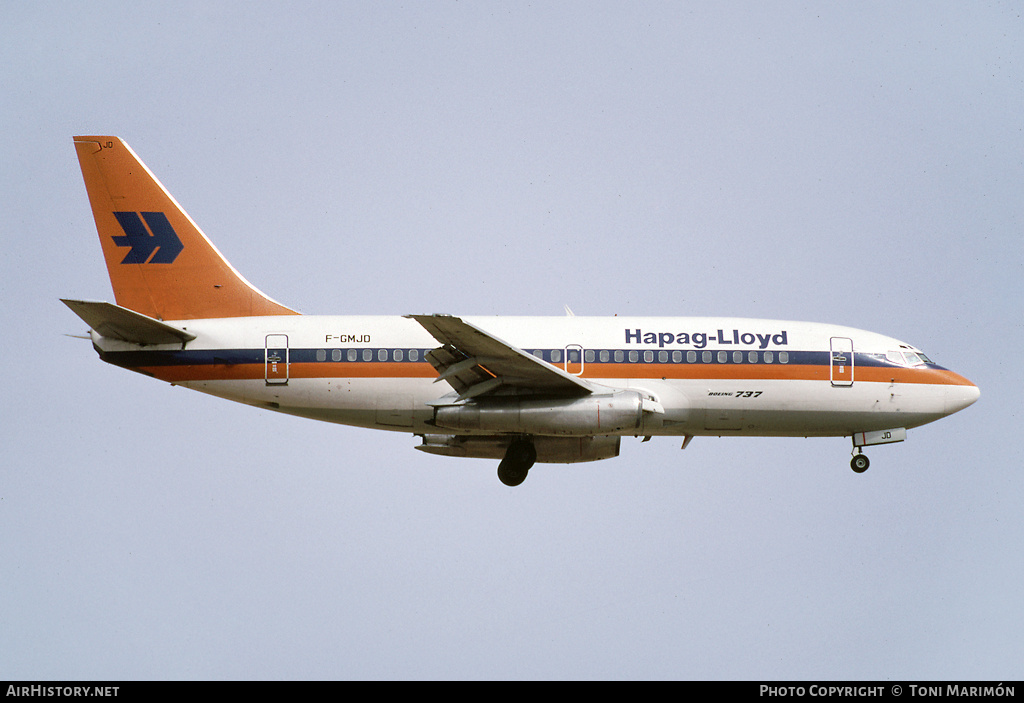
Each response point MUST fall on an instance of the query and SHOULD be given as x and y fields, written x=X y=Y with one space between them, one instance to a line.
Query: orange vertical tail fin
x=160 y=262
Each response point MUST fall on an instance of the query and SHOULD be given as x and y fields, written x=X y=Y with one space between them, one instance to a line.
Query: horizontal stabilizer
x=121 y=323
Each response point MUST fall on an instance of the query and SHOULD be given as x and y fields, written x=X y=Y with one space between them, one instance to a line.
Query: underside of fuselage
x=783 y=409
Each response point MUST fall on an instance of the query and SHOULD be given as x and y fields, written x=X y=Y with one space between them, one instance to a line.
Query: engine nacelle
x=550 y=450
x=577 y=417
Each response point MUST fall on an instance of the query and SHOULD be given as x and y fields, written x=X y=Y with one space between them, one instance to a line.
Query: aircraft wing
x=476 y=363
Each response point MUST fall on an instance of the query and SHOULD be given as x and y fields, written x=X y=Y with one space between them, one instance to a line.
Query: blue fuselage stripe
x=716 y=357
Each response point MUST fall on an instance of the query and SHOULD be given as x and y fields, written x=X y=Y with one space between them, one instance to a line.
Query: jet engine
x=575 y=417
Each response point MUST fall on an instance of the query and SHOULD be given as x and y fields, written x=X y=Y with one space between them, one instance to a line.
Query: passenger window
x=605 y=356
x=783 y=357
x=353 y=355
x=752 y=357
x=737 y=357
x=634 y=356
x=588 y=356
x=705 y=357
x=677 y=356
x=414 y=355
x=382 y=355
x=769 y=357
x=619 y=355
x=335 y=355
x=723 y=356
x=663 y=356
x=399 y=355
x=691 y=357
x=321 y=355
x=367 y=355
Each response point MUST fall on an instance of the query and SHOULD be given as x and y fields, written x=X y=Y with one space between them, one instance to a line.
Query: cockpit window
x=907 y=358
x=912 y=358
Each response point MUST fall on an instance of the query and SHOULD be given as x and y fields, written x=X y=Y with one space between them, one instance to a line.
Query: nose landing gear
x=859 y=462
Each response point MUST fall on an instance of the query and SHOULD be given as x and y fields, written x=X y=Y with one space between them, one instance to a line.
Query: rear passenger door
x=275 y=360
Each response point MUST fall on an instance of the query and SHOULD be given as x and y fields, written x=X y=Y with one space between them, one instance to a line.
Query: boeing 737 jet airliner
x=518 y=389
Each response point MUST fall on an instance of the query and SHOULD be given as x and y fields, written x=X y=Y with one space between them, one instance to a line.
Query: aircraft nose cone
x=959 y=397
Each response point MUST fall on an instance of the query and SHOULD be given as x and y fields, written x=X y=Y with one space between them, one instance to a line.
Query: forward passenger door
x=841 y=355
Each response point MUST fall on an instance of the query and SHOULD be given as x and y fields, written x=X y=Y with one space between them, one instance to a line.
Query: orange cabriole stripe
x=377 y=369
x=235 y=372
x=695 y=372
x=938 y=377
x=771 y=372
x=707 y=371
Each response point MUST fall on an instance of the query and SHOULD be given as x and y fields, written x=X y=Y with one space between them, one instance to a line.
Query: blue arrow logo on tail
x=160 y=238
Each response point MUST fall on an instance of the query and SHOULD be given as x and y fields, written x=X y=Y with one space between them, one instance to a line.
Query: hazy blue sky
x=858 y=163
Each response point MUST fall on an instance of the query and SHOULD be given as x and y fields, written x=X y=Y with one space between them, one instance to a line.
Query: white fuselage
x=521 y=389
x=711 y=376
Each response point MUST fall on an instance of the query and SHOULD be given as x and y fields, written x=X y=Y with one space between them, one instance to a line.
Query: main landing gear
x=519 y=457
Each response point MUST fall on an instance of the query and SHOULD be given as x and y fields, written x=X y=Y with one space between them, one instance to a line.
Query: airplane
x=522 y=390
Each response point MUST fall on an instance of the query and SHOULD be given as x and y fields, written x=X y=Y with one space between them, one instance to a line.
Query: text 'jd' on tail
x=160 y=262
